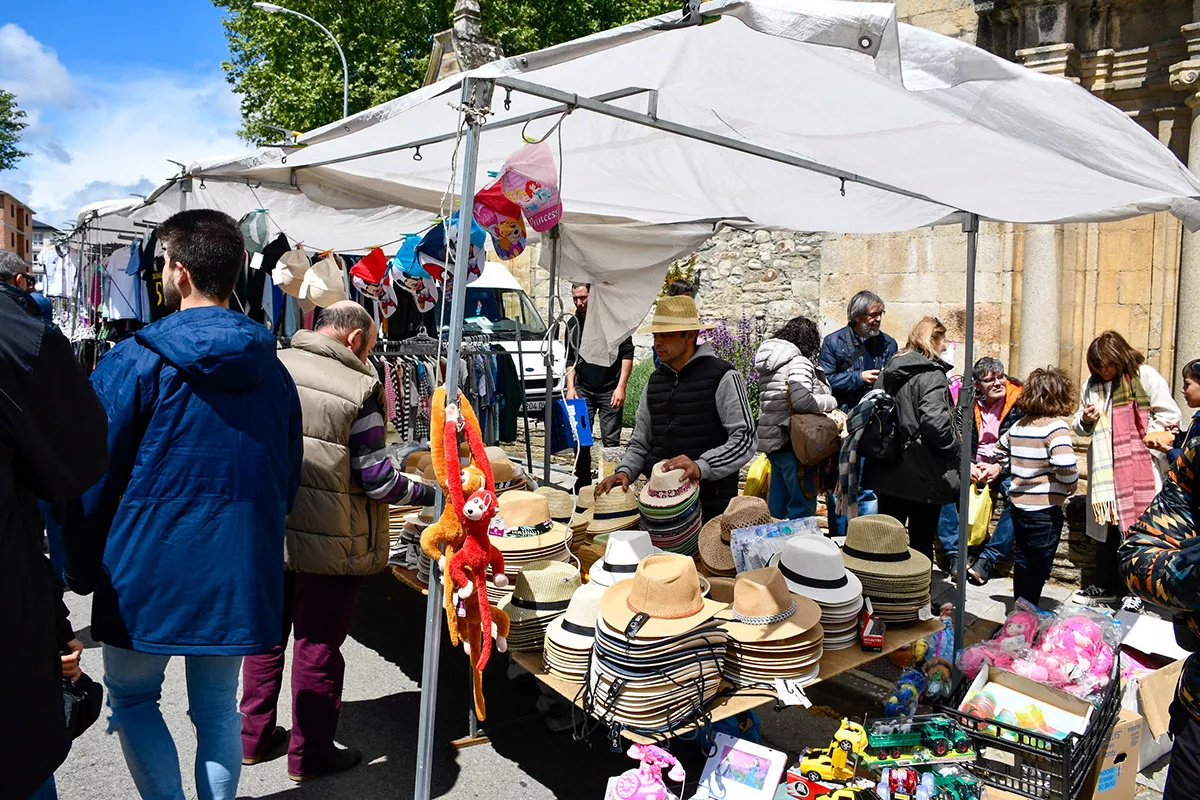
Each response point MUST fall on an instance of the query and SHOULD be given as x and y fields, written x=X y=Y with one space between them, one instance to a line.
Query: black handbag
x=82 y=702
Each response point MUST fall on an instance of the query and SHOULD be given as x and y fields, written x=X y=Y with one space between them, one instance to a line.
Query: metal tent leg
x=549 y=355
x=476 y=94
x=966 y=400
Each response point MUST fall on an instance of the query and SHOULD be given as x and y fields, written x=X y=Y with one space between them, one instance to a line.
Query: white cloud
x=31 y=71
x=91 y=134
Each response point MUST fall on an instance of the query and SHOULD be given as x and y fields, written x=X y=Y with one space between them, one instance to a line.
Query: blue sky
x=113 y=89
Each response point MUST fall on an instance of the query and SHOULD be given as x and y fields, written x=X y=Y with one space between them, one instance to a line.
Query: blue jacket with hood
x=182 y=539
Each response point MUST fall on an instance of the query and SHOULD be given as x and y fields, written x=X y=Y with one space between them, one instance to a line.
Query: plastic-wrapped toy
x=903 y=702
x=645 y=782
x=1012 y=642
x=1075 y=654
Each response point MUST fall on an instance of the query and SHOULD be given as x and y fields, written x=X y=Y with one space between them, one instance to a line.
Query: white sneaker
x=1093 y=596
x=1132 y=603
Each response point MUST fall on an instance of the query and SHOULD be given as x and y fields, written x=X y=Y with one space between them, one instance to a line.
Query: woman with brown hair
x=1123 y=402
x=914 y=487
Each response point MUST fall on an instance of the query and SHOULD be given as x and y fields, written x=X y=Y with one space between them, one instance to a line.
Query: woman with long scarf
x=1123 y=402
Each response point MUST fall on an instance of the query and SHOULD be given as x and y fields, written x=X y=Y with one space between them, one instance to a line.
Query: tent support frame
x=966 y=400
x=548 y=356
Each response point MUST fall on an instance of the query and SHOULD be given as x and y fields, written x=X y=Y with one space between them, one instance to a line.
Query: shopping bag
x=979 y=514
x=570 y=425
x=758 y=481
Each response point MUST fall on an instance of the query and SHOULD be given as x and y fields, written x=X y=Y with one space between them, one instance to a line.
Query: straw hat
x=666 y=590
x=562 y=507
x=527 y=523
x=421 y=519
x=576 y=628
x=585 y=498
x=414 y=462
x=675 y=314
x=667 y=489
x=742 y=512
x=542 y=589
x=623 y=551
x=877 y=545
x=614 y=510
x=765 y=611
x=812 y=566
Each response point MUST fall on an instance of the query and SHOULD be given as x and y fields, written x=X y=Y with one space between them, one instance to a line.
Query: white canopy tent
x=814 y=115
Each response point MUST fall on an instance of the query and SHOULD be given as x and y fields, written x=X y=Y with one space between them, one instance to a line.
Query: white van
x=497 y=305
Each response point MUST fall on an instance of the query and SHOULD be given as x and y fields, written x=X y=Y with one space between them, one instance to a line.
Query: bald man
x=336 y=534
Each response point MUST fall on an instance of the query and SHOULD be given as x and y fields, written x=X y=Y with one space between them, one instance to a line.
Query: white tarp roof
x=838 y=83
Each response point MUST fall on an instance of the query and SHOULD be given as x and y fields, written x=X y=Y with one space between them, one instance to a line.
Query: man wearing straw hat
x=694 y=412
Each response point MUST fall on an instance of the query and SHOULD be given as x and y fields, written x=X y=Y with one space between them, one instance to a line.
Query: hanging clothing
x=122 y=290
x=59 y=269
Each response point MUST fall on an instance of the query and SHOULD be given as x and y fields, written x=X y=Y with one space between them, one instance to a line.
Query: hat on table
x=813 y=567
x=622 y=554
x=614 y=510
x=541 y=593
x=412 y=463
x=667 y=490
x=742 y=512
x=575 y=630
x=672 y=314
x=585 y=499
x=562 y=507
x=664 y=595
x=764 y=610
x=421 y=519
x=527 y=524
x=877 y=546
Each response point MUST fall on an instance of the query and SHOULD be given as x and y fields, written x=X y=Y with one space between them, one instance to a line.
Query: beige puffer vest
x=334 y=528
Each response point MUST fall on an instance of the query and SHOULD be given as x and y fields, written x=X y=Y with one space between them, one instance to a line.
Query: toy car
x=851 y=793
x=832 y=763
x=896 y=738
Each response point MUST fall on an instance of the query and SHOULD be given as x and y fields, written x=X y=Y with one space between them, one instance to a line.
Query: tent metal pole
x=548 y=357
x=476 y=95
x=966 y=398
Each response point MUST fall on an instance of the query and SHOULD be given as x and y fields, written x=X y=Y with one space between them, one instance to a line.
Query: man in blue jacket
x=183 y=536
x=852 y=358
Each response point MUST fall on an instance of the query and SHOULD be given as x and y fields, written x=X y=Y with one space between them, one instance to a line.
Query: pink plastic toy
x=646 y=782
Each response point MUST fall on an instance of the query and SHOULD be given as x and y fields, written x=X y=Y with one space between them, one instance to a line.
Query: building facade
x=16 y=225
x=43 y=234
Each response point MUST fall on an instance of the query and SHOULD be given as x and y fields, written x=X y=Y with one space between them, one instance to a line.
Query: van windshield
x=499 y=312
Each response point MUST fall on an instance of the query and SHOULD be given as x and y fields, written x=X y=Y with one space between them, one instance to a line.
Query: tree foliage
x=289 y=75
x=12 y=122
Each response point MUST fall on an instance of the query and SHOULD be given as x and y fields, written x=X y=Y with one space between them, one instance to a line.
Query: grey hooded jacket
x=781 y=369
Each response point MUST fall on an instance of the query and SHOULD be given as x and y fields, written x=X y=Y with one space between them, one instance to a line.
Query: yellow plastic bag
x=758 y=481
x=980 y=514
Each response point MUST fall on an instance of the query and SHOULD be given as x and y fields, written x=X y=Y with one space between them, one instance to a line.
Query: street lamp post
x=272 y=8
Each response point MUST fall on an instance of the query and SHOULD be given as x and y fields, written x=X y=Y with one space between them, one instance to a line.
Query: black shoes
x=277 y=745
x=340 y=761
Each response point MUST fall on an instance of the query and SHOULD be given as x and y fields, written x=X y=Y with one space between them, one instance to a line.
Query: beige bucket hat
x=664 y=594
x=742 y=512
x=673 y=314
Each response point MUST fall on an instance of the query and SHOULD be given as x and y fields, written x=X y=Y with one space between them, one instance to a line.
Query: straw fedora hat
x=877 y=544
x=667 y=488
x=765 y=611
x=562 y=507
x=742 y=512
x=527 y=523
x=673 y=314
x=421 y=519
x=542 y=589
x=812 y=567
x=576 y=628
x=614 y=510
x=665 y=593
x=623 y=551
x=585 y=498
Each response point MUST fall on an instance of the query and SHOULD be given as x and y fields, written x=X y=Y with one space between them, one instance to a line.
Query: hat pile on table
x=773 y=633
x=541 y=593
x=658 y=653
x=741 y=512
x=669 y=504
x=622 y=554
x=813 y=567
x=507 y=474
x=524 y=533
x=894 y=576
x=562 y=510
x=616 y=509
x=407 y=525
x=570 y=637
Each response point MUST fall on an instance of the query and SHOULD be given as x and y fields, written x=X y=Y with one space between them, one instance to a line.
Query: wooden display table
x=832 y=663
x=409 y=578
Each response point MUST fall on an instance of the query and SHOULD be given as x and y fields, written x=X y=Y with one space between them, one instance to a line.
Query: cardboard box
x=871 y=629
x=1151 y=695
x=1064 y=707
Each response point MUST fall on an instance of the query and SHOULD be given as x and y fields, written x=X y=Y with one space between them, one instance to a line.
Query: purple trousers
x=317 y=612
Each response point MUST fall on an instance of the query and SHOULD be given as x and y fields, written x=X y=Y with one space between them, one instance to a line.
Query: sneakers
x=1094 y=596
x=952 y=570
x=1132 y=603
x=340 y=761
x=979 y=572
x=276 y=746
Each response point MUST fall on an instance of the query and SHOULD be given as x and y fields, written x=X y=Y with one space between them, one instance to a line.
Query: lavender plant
x=737 y=345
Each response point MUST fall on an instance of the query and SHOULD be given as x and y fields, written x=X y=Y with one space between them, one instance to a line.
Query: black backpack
x=881 y=438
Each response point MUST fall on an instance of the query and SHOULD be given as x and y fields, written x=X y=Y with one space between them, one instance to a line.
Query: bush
x=737 y=345
x=634 y=388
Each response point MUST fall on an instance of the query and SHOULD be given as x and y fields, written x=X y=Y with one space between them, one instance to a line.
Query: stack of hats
x=569 y=639
x=562 y=509
x=584 y=500
x=524 y=533
x=773 y=632
x=622 y=554
x=406 y=543
x=507 y=474
x=813 y=567
x=413 y=461
x=616 y=509
x=658 y=653
x=541 y=594
x=894 y=576
x=670 y=507
x=742 y=512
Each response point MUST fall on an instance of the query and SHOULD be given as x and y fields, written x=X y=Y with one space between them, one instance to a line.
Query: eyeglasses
x=989 y=381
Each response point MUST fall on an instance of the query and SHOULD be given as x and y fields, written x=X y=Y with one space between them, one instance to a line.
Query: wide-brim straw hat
x=614 y=510
x=741 y=512
x=623 y=551
x=666 y=590
x=576 y=628
x=585 y=498
x=764 y=610
x=673 y=314
x=542 y=589
x=421 y=519
x=667 y=488
x=527 y=523
x=813 y=567
x=877 y=544
x=562 y=507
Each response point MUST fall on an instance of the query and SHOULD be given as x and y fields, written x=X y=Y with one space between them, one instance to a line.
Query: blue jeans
x=47 y=791
x=134 y=682
x=868 y=503
x=999 y=545
x=793 y=493
x=1037 y=534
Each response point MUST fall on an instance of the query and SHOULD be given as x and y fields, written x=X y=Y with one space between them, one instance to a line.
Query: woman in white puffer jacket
x=787 y=364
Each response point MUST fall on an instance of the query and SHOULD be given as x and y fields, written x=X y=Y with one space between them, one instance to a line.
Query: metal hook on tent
x=507 y=98
x=417 y=155
x=843 y=187
x=202 y=183
x=553 y=127
x=283 y=160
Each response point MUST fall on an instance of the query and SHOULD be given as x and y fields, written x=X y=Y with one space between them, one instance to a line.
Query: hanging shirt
x=122 y=290
x=59 y=280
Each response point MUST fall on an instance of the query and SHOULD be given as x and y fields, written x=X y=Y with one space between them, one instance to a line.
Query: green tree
x=289 y=75
x=12 y=122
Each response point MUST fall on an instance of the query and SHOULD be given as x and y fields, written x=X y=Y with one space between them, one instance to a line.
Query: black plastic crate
x=1036 y=766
